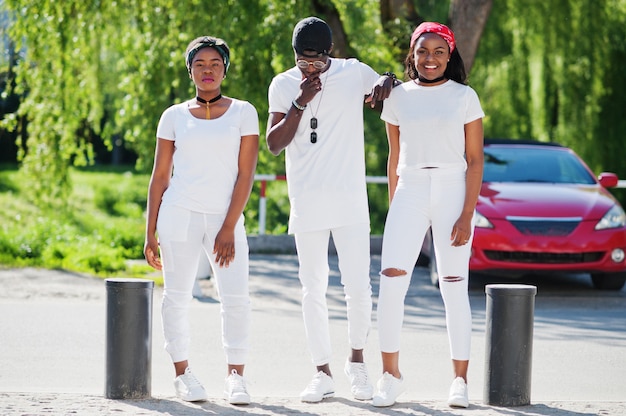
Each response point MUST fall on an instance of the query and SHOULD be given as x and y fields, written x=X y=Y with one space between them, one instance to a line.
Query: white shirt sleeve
x=249 y=120
x=166 y=126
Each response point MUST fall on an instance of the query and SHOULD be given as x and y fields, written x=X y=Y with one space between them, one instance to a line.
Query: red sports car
x=541 y=209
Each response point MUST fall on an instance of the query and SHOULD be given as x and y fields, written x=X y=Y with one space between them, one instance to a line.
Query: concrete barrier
x=128 y=338
x=509 y=340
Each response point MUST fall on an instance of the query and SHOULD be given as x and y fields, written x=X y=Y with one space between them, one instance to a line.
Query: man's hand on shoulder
x=381 y=89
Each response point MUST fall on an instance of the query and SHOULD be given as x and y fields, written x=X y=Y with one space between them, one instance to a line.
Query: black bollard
x=509 y=340
x=129 y=338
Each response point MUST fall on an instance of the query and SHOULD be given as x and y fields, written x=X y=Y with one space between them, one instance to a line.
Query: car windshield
x=533 y=164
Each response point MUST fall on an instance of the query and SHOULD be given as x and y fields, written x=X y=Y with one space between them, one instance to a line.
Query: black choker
x=430 y=81
x=211 y=101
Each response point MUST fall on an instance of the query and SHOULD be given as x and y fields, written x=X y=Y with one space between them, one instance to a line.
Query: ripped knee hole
x=393 y=272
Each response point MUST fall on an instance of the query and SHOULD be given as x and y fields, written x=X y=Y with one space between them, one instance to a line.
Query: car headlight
x=482 y=221
x=614 y=218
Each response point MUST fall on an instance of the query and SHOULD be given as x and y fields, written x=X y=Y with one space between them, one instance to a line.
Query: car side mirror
x=608 y=179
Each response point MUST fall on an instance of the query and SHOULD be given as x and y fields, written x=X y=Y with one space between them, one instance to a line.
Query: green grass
x=99 y=231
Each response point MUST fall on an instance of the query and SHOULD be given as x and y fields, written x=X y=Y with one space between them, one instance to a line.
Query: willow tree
x=107 y=70
x=59 y=77
x=546 y=70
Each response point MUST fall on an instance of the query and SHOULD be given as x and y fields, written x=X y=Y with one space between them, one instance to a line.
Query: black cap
x=313 y=34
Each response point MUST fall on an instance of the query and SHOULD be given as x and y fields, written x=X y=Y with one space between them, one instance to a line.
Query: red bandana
x=436 y=28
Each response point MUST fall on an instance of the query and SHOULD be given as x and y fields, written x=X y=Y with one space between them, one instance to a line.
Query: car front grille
x=543 y=258
x=551 y=228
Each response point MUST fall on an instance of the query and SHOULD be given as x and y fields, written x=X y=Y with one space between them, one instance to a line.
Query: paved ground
x=52 y=350
x=73 y=404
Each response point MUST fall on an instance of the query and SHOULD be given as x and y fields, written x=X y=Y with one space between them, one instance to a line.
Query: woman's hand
x=462 y=230
x=151 y=252
x=224 y=247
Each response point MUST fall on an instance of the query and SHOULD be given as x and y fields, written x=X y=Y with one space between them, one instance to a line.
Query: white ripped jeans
x=184 y=236
x=353 y=250
x=425 y=198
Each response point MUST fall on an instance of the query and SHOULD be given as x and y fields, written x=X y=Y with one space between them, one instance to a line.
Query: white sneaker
x=235 y=389
x=361 y=388
x=458 y=393
x=388 y=389
x=188 y=388
x=321 y=387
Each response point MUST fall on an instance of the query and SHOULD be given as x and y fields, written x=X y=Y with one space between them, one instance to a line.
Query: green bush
x=100 y=229
x=123 y=196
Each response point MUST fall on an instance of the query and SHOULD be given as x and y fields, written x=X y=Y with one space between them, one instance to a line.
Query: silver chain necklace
x=313 y=122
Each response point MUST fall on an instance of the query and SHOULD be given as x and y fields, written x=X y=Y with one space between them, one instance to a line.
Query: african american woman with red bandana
x=435 y=166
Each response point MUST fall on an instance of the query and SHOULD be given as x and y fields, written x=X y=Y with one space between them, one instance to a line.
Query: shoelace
x=317 y=380
x=236 y=383
x=359 y=374
x=458 y=387
x=190 y=380
x=386 y=384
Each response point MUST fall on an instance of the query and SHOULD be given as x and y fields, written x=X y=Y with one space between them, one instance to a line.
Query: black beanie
x=313 y=34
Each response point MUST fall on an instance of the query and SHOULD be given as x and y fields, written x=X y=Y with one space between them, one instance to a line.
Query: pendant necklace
x=314 y=118
x=211 y=101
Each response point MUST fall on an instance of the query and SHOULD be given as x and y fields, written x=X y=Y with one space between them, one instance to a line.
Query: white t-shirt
x=431 y=121
x=326 y=180
x=206 y=155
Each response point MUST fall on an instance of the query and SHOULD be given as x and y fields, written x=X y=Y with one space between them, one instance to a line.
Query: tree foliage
x=111 y=68
x=107 y=69
x=546 y=70
x=59 y=77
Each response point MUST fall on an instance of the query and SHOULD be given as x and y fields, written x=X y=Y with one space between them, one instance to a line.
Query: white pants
x=183 y=236
x=426 y=198
x=353 y=251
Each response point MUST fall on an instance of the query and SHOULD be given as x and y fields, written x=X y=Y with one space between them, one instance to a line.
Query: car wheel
x=434 y=274
x=608 y=281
